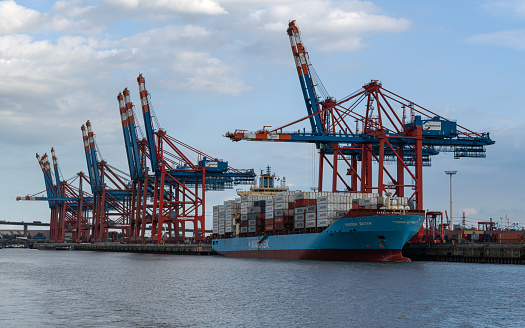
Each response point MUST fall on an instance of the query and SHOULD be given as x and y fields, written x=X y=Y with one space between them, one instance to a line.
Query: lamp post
x=451 y=173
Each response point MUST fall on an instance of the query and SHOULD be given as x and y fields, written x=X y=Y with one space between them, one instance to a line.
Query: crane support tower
x=371 y=125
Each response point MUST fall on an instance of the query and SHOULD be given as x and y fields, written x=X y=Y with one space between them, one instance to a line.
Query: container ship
x=270 y=221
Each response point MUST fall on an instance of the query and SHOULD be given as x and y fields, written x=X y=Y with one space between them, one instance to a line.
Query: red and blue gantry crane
x=172 y=191
x=372 y=125
x=161 y=198
x=66 y=201
x=111 y=192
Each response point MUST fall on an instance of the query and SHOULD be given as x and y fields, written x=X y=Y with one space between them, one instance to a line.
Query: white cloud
x=514 y=39
x=72 y=8
x=205 y=73
x=511 y=7
x=331 y=26
x=14 y=18
x=208 y=7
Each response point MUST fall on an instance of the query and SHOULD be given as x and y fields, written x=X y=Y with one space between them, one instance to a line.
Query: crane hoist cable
x=153 y=114
x=318 y=83
x=138 y=128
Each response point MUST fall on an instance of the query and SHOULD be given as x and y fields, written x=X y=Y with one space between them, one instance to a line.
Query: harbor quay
x=505 y=253
x=174 y=249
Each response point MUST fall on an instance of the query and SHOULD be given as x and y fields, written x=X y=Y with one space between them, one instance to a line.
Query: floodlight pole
x=451 y=173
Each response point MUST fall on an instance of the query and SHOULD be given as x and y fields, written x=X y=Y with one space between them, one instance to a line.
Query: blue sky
x=214 y=66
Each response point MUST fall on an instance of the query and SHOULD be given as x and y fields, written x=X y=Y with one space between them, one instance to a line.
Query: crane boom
x=125 y=131
x=89 y=164
x=94 y=160
x=133 y=135
x=147 y=122
x=57 y=176
x=305 y=78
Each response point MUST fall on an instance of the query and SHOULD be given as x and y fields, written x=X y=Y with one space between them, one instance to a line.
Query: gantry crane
x=68 y=203
x=168 y=196
x=370 y=125
x=112 y=202
x=176 y=183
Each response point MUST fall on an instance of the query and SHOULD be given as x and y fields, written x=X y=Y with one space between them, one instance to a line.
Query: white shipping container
x=311 y=209
x=311 y=216
x=244 y=210
x=221 y=231
x=251 y=229
x=299 y=224
x=310 y=223
x=228 y=229
x=280 y=206
x=244 y=229
x=270 y=201
x=322 y=200
x=299 y=195
x=269 y=208
x=251 y=222
x=299 y=217
x=340 y=214
x=328 y=207
x=323 y=223
x=215 y=230
x=300 y=210
x=221 y=225
x=269 y=215
x=322 y=215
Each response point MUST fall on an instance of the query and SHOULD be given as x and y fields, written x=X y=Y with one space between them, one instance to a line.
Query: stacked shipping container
x=293 y=210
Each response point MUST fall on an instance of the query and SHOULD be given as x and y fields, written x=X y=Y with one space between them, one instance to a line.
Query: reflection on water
x=97 y=289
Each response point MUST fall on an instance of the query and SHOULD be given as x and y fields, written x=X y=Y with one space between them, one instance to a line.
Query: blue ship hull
x=361 y=238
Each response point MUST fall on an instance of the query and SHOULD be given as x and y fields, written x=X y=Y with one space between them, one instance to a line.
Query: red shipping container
x=268 y=221
x=291 y=205
x=301 y=202
x=263 y=216
x=268 y=227
x=279 y=226
x=279 y=219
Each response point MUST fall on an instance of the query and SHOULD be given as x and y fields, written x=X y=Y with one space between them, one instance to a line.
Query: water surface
x=100 y=289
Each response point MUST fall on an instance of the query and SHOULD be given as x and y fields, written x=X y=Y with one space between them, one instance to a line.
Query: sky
x=213 y=66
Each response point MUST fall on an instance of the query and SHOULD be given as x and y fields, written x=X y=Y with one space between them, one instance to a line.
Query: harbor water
x=102 y=289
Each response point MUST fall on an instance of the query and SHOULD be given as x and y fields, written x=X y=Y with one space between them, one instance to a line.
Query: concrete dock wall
x=179 y=249
x=509 y=253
